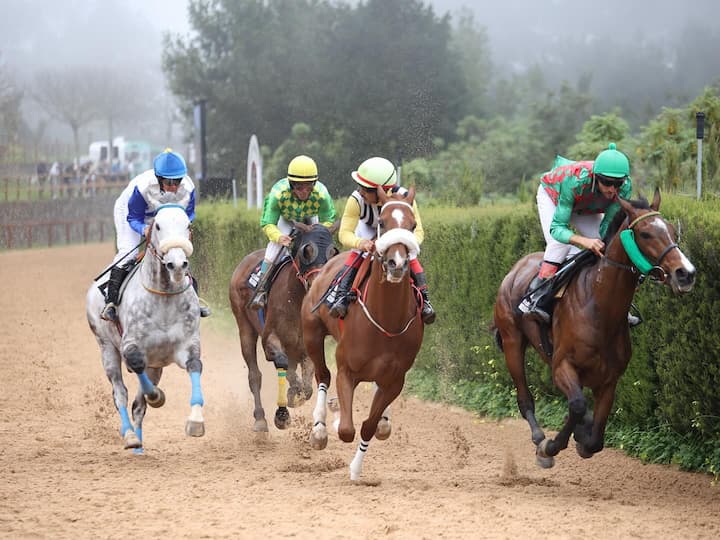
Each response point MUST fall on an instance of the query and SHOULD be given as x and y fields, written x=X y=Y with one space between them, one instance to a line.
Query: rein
x=377 y=325
x=304 y=278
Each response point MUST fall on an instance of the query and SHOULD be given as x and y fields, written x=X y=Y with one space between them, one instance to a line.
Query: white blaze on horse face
x=684 y=261
x=399 y=217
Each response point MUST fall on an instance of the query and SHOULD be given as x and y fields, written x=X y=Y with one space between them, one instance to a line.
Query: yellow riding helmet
x=302 y=169
x=375 y=172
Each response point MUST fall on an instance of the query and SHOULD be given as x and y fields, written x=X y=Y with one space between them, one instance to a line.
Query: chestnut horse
x=589 y=329
x=379 y=337
x=279 y=324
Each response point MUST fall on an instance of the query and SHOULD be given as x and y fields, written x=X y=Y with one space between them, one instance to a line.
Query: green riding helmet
x=612 y=163
x=375 y=172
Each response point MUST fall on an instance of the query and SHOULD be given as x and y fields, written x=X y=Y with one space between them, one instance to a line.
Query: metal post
x=700 y=131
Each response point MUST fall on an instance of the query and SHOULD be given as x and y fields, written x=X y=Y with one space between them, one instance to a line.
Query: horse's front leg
x=136 y=362
x=592 y=441
x=315 y=345
x=566 y=379
x=139 y=406
x=113 y=370
x=384 y=428
x=345 y=391
x=195 y=424
x=380 y=403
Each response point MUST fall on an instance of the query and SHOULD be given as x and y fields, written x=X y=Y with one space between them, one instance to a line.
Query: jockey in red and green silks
x=579 y=194
x=298 y=196
x=584 y=195
x=358 y=231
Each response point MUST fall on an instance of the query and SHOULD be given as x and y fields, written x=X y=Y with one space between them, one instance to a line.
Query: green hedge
x=667 y=406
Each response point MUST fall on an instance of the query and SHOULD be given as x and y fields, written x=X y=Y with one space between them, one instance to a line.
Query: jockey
x=358 y=228
x=583 y=194
x=298 y=196
x=166 y=183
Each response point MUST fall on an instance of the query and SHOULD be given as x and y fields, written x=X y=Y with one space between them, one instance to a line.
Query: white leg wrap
x=196 y=413
x=320 y=411
x=356 y=464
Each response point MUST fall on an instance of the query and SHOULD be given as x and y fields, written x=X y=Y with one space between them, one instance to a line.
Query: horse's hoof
x=545 y=462
x=383 y=429
x=131 y=440
x=319 y=437
x=156 y=401
x=194 y=428
x=582 y=451
x=333 y=404
x=282 y=418
x=261 y=425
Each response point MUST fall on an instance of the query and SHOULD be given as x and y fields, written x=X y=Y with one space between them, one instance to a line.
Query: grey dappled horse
x=159 y=323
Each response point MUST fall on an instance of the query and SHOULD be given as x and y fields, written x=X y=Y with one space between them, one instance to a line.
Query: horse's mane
x=617 y=221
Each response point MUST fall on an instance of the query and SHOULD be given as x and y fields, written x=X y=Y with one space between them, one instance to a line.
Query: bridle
x=655 y=271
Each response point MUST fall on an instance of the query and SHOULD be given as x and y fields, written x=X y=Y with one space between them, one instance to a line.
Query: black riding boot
x=340 y=307
x=536 y=304
x=112 y=292
x=204 y=308
x=428 y=312
x=259 y=300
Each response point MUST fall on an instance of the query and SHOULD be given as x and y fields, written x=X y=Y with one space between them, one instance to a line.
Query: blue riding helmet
x=169 y=164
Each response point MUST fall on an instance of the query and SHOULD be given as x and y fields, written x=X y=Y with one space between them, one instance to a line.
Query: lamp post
x=700 y=132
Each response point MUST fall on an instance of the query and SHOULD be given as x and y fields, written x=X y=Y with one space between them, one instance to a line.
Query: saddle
x=253 y=278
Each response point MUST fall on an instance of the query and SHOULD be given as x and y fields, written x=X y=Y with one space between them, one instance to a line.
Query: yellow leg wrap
x=282 y=393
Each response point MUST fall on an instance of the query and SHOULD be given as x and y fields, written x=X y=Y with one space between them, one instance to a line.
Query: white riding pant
x=273 y=248
x=127 y=239
x=366 y=232
x=585 y=224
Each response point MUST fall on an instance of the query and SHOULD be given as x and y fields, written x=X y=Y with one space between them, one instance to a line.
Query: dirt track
x=443 y=472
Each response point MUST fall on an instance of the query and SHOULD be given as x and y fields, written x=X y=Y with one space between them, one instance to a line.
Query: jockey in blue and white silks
x=166 y=183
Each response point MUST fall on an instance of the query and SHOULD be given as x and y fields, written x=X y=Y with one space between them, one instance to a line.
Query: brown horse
x=279 y=325
x=379 y=337
x=589 y=330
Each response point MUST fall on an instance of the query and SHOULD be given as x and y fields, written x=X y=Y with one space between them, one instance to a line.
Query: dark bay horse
x=589 y=330
x=379 y=337
x=279 y=325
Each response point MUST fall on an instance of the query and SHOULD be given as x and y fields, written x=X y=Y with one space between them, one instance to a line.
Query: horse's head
x=169 y=240
x=395 y=237
x=312 y=247
x=651 y=241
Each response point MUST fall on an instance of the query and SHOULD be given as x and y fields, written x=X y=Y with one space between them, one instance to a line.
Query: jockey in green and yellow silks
x=298 y=196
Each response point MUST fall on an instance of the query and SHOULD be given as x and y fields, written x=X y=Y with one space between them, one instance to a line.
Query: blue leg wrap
x=146 y=384
x=124 y=422
x=196 y=397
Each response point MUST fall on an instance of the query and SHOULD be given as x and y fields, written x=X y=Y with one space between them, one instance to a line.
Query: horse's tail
x=497 y=337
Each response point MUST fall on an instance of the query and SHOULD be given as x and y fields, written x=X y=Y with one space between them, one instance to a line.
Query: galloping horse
x=159 y=323
x=279 y=324
x=379 y=337
x=590 y=334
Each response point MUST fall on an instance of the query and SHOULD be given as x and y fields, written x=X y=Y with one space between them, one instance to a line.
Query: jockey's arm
x=271 y=217
x=136 y=212
x=559 y=228
x=190 y=208
x=348 y=223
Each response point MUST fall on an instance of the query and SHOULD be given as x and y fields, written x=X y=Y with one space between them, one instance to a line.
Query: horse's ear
x=656 y=200
x=301 y=226
x=410 y=195
x=334 y=227
x=382 y=196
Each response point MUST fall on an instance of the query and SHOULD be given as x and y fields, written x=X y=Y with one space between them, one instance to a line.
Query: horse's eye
x=381 y=223
x=645 y=235
x=157 y=226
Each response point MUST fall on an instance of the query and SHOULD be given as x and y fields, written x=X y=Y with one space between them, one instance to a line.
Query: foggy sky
x=127 y=34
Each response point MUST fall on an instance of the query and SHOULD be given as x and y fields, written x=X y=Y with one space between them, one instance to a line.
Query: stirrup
x=259 y=301
x=340 y=307
x=109 y=312
x=428 y=313
x=205 y=310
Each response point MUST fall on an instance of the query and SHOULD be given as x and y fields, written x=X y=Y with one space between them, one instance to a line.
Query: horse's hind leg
x=112 y=364
x=315 y=345
x=248 y=346
x=514 y=346
x=276 y=354
x=380 y=403
x=195 y=424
